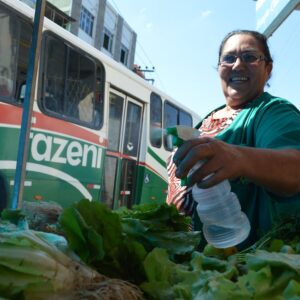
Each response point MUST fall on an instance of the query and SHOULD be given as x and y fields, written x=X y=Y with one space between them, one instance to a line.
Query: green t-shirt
x=267 y=122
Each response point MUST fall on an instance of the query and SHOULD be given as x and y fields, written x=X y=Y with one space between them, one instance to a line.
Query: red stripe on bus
x=119 y=155
x=140 y=163
x=149 y=167
x=12 y=115
x=60 y=126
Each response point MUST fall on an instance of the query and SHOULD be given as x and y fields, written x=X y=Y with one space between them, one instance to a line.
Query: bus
x=97 y=129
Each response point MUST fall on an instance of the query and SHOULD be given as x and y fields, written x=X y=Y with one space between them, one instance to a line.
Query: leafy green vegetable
x=82 y=238
x=176 y=242
x=292 y=291
x=117 y=242
x=168 y=280
x=262 y=258
x=163 y=215
x=29 y=263
x=94 y=232
x=160 y=226
x=149 y=245
x=13 y=216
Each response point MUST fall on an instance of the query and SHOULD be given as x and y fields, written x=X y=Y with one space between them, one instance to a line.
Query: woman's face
x=241 y=81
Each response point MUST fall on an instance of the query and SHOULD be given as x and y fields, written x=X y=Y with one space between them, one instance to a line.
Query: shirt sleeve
x=278 y=126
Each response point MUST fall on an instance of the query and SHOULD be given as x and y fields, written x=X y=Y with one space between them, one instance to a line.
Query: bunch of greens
x=34 y=262
x=267 y=270
x=152 y=246
x=159 y=226
x=149 y=245
x=117 y=243
x=269 y=276
x=39 y=265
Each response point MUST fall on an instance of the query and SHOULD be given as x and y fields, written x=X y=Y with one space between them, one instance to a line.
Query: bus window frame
x=98 y=65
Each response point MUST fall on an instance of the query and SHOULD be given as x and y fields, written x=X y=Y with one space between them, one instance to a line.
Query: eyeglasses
x=248 y=58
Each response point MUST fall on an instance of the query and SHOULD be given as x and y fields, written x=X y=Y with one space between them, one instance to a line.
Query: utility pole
x=34 y=55
x=137 y=69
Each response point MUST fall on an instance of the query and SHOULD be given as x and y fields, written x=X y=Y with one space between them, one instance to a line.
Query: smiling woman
x=253 y=140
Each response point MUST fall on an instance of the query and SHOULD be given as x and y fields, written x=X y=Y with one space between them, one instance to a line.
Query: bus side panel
x=150 y=186
x=62 y=157
x=152 y=177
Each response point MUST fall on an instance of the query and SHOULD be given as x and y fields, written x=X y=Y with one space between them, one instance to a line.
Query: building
x=97 y=23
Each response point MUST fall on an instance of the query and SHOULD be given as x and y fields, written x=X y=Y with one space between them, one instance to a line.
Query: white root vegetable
x=23 y=254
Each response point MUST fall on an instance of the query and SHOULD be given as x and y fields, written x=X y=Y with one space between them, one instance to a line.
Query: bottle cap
x=180 y=134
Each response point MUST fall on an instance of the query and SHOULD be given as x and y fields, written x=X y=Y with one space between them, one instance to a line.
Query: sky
x=181 y=40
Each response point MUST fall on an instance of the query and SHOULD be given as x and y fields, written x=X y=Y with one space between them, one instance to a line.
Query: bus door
x=121 y=162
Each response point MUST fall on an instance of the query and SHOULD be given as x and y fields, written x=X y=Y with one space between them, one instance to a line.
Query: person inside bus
x=253 y=141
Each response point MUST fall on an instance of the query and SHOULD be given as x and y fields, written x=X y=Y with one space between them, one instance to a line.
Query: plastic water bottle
x=224 y=224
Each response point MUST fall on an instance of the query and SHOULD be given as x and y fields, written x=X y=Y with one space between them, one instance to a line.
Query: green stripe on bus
x=156 y=157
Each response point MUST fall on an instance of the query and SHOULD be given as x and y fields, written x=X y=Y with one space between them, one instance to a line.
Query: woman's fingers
x=191 y=152
x=221 y=161
x=183 y=150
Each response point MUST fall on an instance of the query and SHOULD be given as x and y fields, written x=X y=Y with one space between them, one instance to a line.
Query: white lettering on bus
x=74 y=153
x=86 y=150
x=63 y=151
x=61 y=146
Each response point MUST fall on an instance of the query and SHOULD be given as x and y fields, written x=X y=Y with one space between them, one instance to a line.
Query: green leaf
x=162 y=275
x=13 y=216
x=82 y=238
x=103 y=220
x=168 y=280
x=218 y=287
x=275 y=245
x=74 y=231
x=262 y=258
x=176 y=242
x=158 y=215
x=131 y=258
x=13 y=282
x=292 y=291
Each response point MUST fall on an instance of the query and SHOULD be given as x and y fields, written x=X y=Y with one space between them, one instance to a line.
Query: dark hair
x=262 y=39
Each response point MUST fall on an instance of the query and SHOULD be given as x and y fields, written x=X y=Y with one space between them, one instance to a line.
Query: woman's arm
x=277 y=170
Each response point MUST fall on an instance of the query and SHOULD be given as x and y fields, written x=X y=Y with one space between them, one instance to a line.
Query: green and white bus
x=96 y=130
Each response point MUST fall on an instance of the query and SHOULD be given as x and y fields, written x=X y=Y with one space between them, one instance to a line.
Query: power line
x=143 y=50
x=147 y=57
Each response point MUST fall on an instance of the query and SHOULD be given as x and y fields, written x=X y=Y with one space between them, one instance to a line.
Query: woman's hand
x=278 y=170
x=222 y=161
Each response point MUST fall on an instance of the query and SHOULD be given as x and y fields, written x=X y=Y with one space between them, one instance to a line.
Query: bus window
x=5 y=82
x=155 y=120
x=174 y=116
x=54 y=80
x=80 y=87
x=185 y=119
x=170 y=120
x=73 y=84
x=14 y=55
x=116 y=104
x=23 y=58
x=133 y=129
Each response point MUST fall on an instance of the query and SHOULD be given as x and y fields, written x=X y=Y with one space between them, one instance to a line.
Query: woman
x=253 y=140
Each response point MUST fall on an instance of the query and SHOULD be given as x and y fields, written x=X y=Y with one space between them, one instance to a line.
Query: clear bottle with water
x=224 y=224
